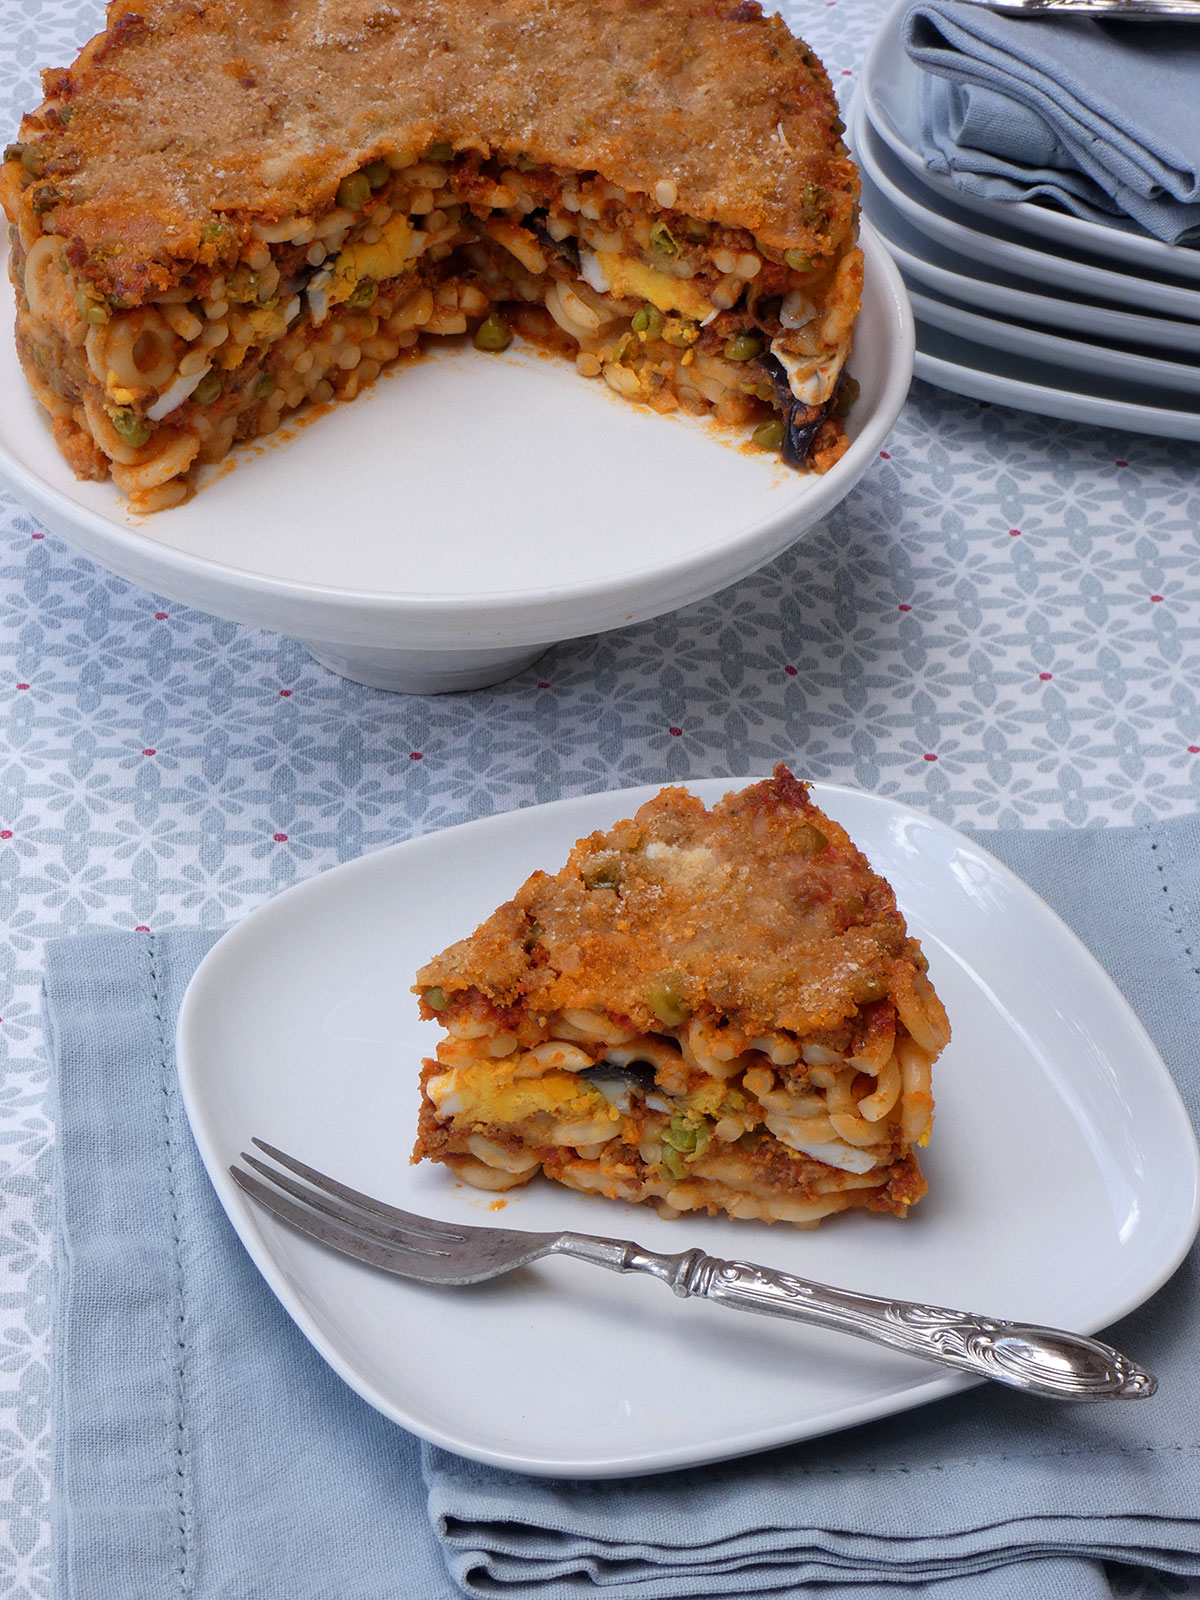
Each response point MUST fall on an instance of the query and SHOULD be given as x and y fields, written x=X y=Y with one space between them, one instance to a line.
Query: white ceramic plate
x=1118 y=368
x=953 y=363
x=983 y=239
x=1063 y=1171
x=890 y=91
x=467 y=510
x=926 y=265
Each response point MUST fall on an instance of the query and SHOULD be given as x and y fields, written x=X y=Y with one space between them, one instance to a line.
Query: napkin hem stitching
x=180 y=1351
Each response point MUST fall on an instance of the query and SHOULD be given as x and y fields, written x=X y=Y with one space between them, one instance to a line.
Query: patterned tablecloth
x=1000 y=625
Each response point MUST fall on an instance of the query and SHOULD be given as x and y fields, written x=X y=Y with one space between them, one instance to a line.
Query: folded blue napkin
x=1102 y=119
x=203 y=1449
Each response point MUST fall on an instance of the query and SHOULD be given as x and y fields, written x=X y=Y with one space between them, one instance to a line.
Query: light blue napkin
x=1101 y=118
x=203 y=1449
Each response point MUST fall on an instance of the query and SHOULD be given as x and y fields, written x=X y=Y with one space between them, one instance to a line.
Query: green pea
x=362 y=294
x=14 y=152
x=377 y=173
x=263 y=386
x=602 y=875
x=91 y=310
x=870 y=986
x=493 y=333
x=667 y=998
x=846 y=396
x=768 y=435
x=687 y=1134
x=672 y=1161
x=679 y=1136
x=648 y=320
x=65 y=113
x=207 y=390
x=743 y=347
x=751 y=1139
x=798 y=261
x=525 y=163
x=241 y=284
x=663 y=239
x=680 y=332
x=45 y=197
x=212 y=231
x=354 y=191
x=132 y=429
x=442 y=151
x=435 y=998
x=808 y=840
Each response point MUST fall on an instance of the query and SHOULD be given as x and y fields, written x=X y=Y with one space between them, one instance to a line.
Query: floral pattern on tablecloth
x=1001 y=625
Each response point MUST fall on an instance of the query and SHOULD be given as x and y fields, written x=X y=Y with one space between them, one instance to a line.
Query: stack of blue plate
x=1017 y=302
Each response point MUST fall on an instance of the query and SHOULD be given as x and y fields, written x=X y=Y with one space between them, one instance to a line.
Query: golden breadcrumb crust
x=188 y=110
x=760 y=912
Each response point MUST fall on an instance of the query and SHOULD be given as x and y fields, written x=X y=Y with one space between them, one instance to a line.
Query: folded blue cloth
x=1103 y=119
x=204 y=1449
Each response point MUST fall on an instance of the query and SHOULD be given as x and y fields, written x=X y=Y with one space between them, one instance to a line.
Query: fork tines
x=355 y=1223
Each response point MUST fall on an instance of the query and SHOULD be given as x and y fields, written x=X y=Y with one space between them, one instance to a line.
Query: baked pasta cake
x=223 y=211
x=710 y=1010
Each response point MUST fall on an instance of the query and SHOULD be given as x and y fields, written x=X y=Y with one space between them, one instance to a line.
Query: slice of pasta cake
x=709 y=1009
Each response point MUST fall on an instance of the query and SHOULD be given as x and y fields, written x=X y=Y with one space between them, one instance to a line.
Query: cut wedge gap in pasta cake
x=710 y=1010
x=222 y=213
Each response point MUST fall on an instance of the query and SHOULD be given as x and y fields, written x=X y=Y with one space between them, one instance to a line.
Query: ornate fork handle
x=1105 y=10
x=1043 y=1361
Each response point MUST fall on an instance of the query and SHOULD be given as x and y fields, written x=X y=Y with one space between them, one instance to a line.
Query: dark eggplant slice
x=638 y=1074
x=567 y=248
x=800 y=422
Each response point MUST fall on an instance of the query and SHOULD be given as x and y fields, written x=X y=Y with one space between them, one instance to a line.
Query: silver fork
x=1105 y=10
x=1041 y=1361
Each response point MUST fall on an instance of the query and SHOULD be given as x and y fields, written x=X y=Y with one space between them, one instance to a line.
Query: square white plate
x=1064 y=1175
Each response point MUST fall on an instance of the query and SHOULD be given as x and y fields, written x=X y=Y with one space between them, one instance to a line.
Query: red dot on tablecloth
x=22 y=686
x=543 y=683
x=1194 y=749
x=1014 y=533
x=142 y=927
x=847 y=72
x=885 y=455
x=37 y=535
x=285 y=694
x=675 y=732
x=279 y=838
x=1121 y=463
x=161 y=616
x=903 y=607
x=790 y=670
x=1156 y=597
x=930 y=757
x=416 y=755
x=985 y=405
x=1045 y=676
x=5 y=833
x=149 y=752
